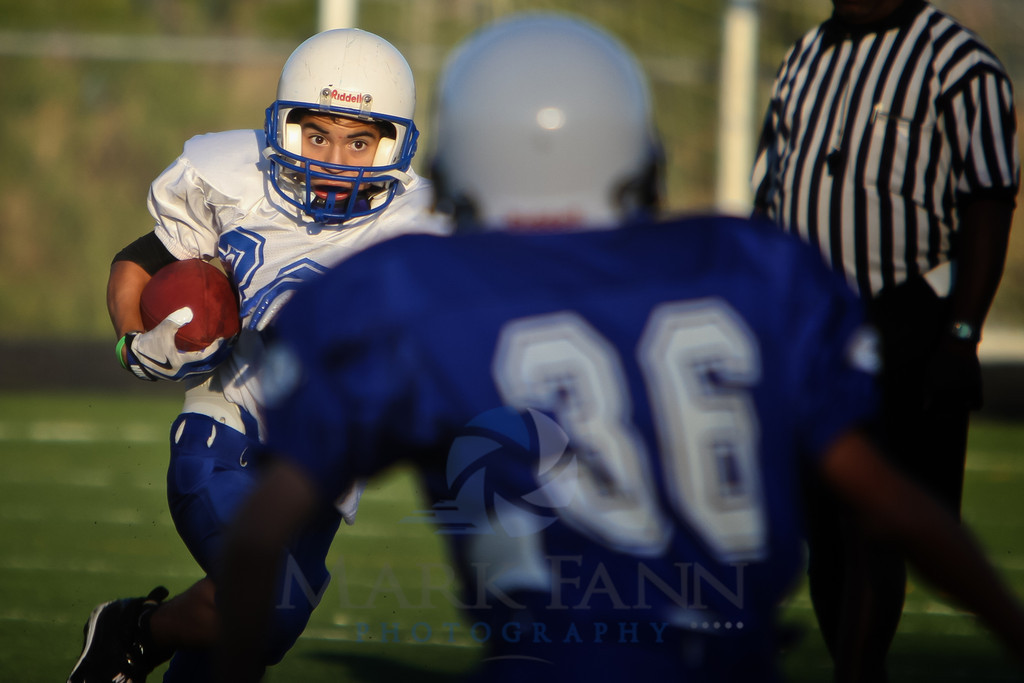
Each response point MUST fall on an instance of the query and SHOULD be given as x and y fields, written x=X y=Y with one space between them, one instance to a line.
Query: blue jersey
x=610 y=424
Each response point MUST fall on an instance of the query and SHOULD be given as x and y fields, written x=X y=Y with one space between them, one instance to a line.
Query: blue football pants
x=212 y=471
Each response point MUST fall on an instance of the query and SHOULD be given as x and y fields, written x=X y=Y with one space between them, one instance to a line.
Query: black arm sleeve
x=148 y=252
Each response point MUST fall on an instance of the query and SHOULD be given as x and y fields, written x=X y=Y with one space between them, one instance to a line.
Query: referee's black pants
x=925 y=436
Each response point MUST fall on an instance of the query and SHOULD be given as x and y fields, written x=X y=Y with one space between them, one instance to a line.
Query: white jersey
x=216 y=201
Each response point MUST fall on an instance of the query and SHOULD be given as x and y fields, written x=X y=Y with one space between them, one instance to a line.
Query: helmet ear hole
x=384 y=153
x=293 y=138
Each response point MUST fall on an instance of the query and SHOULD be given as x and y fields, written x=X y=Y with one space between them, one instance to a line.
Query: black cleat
x=117 y=646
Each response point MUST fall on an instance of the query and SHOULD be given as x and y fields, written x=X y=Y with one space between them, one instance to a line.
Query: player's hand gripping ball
x=203 y=288
x=190 y=315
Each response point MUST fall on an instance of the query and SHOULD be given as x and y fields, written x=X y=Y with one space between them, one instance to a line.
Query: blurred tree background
x=97 y=97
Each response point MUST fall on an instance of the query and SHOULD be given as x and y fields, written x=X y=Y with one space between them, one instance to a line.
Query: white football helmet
x=351 y=73
x=545 y=121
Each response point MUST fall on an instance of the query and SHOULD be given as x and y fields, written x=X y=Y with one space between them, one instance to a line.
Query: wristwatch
x=964 y=331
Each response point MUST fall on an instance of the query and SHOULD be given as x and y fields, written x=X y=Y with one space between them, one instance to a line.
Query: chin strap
x=400 y=176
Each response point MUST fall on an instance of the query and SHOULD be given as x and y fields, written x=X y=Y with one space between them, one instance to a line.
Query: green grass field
x=83 y=519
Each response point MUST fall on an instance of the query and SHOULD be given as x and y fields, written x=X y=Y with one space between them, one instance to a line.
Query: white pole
x=337 y=14
x=738 y=90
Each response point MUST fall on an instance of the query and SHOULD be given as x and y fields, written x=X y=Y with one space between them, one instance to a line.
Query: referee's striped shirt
x=872 y=136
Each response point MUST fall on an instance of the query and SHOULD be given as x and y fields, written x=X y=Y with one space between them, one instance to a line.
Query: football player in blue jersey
x=612 y=413
x=329 y=175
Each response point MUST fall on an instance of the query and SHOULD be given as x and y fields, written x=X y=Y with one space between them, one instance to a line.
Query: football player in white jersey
x=328 y=176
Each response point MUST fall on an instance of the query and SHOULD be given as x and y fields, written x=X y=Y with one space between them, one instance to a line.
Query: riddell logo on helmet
x=352 y=97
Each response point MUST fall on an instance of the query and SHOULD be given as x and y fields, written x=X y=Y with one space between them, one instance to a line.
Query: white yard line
x=68 y=431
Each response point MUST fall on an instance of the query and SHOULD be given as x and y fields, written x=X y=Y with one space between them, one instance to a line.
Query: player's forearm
x=942 y=550
x=948 y=556
x=245 y=599
x=984 y=235
x=124 y=290
x=254 y=544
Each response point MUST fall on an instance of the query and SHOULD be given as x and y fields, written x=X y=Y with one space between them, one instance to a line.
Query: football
x=201 y=286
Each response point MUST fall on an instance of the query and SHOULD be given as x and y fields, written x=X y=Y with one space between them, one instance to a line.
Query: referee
x=890 y=145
